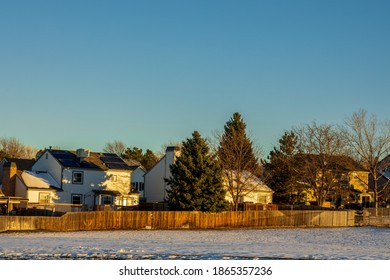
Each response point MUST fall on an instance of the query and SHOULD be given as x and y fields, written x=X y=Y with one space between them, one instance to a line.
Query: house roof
x=93 y=160
x=386 y=174
x=250 y=180
x=133 y=164
x=38 y=180
x=156 y=164
x=384 y=164
x=22 y=164
x=341 y=163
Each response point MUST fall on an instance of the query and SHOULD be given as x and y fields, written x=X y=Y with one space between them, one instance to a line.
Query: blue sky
x=83 y=73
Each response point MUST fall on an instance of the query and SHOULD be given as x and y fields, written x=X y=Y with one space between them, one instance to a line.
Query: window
x=77 y=199
x=77 y=177
x=139 y=186
x=261 y=198
x=114 y=178
x=44 y=198
x=107 y=199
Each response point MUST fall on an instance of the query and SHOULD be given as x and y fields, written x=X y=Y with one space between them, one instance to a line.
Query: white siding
x=93 y=180
x=155 y=185
x=118 y=180
x=111 y=180
x=137 y=176
x=154 y=182
x=254 y=197
x=49 y=164
x=32 y=194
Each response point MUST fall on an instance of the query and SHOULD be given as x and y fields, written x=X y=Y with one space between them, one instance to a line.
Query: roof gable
x=38 y=180
x=339 y=163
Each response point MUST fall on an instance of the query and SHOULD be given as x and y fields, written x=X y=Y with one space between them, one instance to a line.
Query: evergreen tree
x=237 y=158
x=195 y=183
x=280 y=170
x=147 y=159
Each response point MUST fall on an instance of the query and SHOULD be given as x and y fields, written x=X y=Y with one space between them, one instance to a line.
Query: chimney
x=82 y=154
x=173 y=150
x=171 y=154
x=9 y=177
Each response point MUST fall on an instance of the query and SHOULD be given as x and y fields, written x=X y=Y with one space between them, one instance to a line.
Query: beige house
x=351 y=188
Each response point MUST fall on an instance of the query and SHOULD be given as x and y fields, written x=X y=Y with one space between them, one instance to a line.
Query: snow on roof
x=251 y=180
x=39 y=180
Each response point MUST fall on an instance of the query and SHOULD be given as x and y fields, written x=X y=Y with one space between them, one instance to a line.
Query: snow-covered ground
x=360 y=243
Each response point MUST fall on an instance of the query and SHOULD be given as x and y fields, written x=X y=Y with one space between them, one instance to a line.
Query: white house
x=38 y=188
x=137 y=176
x=254 y=190
x=89 y=178
x=155 y=185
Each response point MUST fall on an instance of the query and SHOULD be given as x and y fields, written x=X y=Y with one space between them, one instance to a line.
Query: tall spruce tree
x=238 y=159
x=196 y=181
x=280 y=169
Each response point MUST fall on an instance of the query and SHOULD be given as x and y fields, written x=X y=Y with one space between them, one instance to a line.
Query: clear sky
x=79 y=74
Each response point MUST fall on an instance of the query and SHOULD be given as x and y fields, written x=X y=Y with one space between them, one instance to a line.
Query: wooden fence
x=109 y=220
x=376 y=217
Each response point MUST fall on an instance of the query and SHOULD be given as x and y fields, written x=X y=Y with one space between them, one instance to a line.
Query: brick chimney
x=9 y=177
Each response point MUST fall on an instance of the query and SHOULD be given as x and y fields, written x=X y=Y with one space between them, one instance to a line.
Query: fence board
x=105 y=220
x=376 y=217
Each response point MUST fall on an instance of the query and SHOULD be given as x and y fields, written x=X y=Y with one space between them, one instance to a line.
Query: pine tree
x=280 y=170
x=147 y=159
x=237 y=158
x=196 y=181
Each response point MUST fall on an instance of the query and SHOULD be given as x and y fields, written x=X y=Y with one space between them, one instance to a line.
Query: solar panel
x=69 y=162
x=118 y=166
x=111 y=159
x=110 y=155
x=86 y=164
x=62 y=155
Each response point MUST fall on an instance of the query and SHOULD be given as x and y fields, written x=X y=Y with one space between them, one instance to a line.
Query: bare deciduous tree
x=30 y=152
x=12 y=147
x=369 y=138
x=238 y=158
x=321 y=148
x=117 y=147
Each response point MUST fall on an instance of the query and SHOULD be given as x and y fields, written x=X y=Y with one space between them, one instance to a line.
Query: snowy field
x=360 y=243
